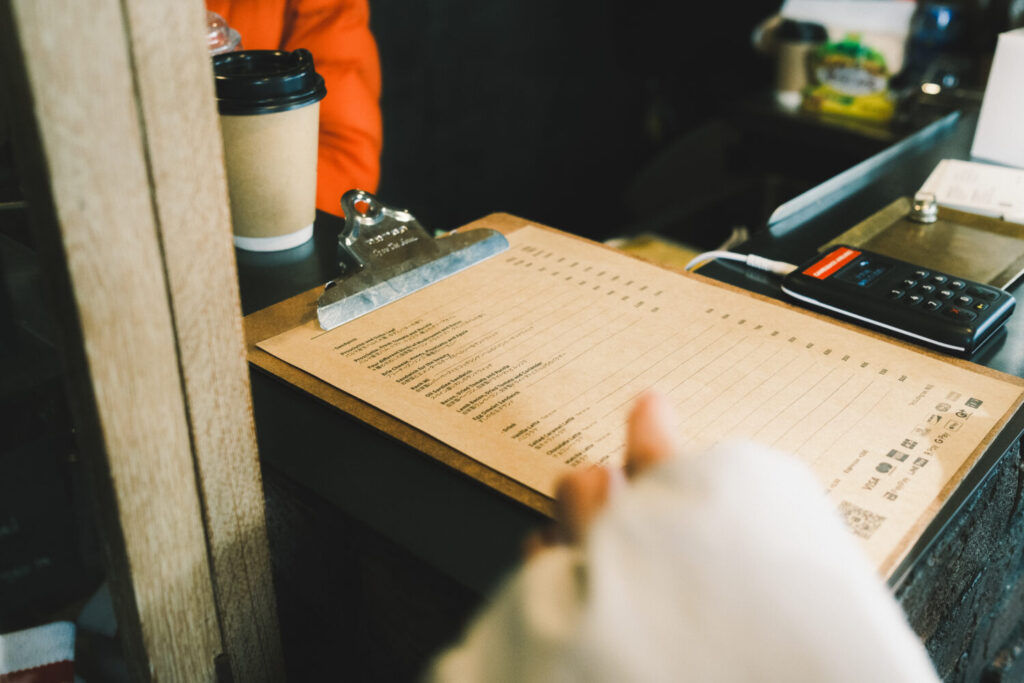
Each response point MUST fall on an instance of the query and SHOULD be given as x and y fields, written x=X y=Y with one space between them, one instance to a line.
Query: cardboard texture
x=527 y=364
x=271 y=166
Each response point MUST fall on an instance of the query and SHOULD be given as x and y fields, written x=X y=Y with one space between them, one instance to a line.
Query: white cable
x=710 y=255
x=752 y=260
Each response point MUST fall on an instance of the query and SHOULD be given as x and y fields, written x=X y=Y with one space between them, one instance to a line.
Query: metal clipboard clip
x=386 y=255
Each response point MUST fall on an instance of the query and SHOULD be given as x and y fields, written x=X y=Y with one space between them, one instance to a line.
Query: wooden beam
x=119 y=150
x=175 y=86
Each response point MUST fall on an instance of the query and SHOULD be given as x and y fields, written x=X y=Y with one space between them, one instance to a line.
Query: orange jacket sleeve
x=337 y=32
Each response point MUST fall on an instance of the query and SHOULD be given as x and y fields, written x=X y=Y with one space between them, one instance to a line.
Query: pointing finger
x=650 y=433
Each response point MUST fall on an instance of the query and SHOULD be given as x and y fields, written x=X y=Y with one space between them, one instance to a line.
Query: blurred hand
x=582 y=494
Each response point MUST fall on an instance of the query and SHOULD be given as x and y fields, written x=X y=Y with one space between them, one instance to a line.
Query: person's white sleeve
x=728 y=566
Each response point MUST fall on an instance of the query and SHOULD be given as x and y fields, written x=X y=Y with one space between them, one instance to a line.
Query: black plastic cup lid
x=266 y=81
x=792 y=31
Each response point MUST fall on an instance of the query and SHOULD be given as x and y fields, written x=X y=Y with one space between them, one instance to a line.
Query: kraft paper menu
x=529 y=363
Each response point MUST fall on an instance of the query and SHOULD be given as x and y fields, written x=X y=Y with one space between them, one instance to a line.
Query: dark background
x=549 y=110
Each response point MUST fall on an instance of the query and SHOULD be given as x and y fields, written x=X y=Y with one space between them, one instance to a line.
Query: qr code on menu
x=861 y=522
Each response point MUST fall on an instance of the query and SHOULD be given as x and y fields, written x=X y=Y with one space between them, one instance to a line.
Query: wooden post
x=120 y=153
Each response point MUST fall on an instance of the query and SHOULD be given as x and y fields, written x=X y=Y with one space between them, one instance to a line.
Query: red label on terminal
x=831 y=263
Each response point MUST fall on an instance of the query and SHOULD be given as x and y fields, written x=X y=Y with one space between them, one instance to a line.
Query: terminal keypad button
x=960 y=314
x=989 y=294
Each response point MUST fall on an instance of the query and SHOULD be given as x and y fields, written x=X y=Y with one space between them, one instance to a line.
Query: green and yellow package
x=849 y=79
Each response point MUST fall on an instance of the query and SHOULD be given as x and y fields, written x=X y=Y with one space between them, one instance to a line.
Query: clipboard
x=835 y=342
